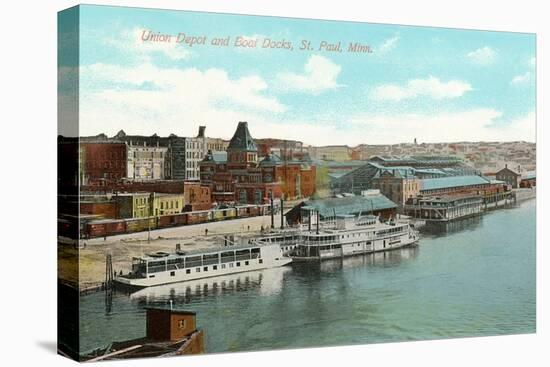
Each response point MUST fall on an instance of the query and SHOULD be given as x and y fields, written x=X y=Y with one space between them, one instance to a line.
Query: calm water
x=475 y=279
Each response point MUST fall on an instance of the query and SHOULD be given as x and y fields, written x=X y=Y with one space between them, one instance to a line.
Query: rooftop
x=349 y=205
x=215 y=156
x=242 y=140
x=160 y=256
x=453 y=181
x=270 y=160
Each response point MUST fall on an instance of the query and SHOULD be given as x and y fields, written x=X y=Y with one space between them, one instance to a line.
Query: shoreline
x=92 y=257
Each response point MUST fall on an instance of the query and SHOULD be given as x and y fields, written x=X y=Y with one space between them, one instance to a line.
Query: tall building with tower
x=242 y=175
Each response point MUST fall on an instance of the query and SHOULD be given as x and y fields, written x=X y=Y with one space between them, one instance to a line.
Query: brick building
x=510 y=177
x=397 y=185
x=180 y=155
x=529 y=180
x=297 y=178
x=285 y=149
x=102 y=163
x=197 y=196
x=239 y=175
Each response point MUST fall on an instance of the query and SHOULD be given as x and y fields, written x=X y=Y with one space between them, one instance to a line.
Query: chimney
x=201 y=131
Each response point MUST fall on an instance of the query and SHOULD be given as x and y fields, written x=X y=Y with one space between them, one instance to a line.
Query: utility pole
x=282 y=214
x=151 y=215
x=272 y=208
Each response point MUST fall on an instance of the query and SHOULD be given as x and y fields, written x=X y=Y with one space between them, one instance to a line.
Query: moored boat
x=164 y=268
x=350 y=235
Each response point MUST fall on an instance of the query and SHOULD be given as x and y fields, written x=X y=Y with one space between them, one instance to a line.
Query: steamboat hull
x=151 y=271
x=328 y=255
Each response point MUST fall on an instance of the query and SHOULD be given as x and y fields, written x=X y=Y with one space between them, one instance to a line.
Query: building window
x=242 y=196
x=172 y=273
x=246 y=263
x=205 y=268
x=258 y=197
x=223 y=266
x=215 y=267
x=197 y=270
x=261 y=261
x=188 y=271
x=238 y=264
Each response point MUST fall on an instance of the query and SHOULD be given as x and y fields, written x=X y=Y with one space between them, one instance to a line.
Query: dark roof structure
x=452 y=182
x=350 y=205
x=271 y=160
x=242 y=140
x=507 y=171
x=215 y=156
x=346 y=205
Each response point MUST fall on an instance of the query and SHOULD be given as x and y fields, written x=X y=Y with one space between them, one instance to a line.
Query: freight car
x=140 y=224
x=244 y=211
x=105 y=227
x=110 y=227
x=201 y=216
x=223 y=214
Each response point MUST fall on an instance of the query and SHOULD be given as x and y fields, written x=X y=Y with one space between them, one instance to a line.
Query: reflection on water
x=108 y=300
x=476 y=277
x=377 y=259
x=266 y=282
x=446 y=228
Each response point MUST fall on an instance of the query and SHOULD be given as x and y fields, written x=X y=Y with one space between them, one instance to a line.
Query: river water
x=477 y=278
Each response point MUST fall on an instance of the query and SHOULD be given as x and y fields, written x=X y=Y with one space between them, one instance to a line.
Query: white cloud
x=528 y=76
x=146 y=99
x=430 y=87
x=130 y=41
x=387 y=45
x=471 y=125
x=482 y=56
x=320 y=75
x=522 y=78
x=149 y=99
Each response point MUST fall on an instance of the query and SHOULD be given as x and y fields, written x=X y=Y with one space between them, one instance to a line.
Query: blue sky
x=430 y=83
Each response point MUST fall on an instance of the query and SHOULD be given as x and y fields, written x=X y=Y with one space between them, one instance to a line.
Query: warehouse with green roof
x=371 y=202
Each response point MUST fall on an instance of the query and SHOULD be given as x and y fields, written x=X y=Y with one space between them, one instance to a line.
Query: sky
x=432 y=84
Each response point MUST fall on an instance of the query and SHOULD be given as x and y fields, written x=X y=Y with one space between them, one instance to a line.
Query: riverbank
x=84 y=267
x=525 y=193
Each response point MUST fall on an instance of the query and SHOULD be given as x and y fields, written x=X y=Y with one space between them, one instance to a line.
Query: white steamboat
x=164 y=268
x=350 y=236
